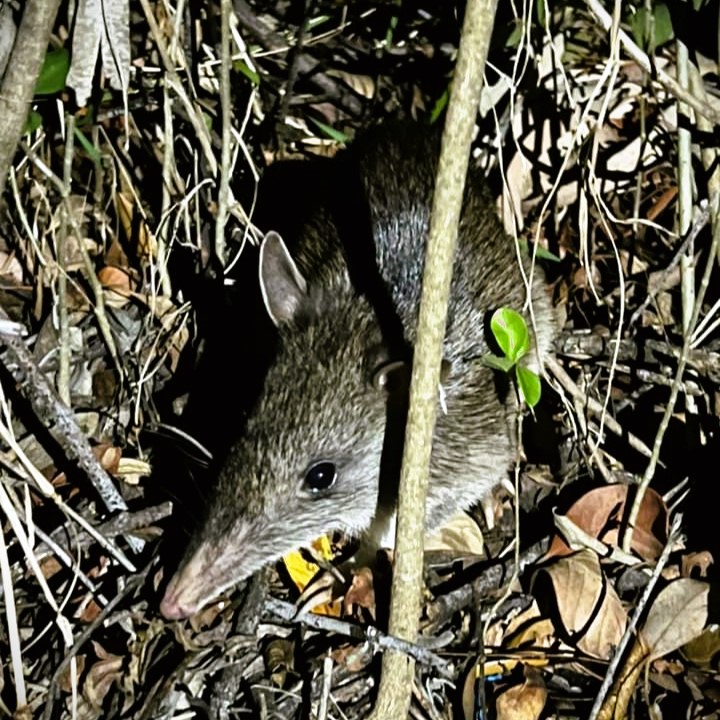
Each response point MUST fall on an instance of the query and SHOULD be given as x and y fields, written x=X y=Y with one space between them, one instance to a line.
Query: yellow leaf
x=302 y=571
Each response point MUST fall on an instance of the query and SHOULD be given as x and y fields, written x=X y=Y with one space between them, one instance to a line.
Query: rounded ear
x=284 y=289
x=394 y=375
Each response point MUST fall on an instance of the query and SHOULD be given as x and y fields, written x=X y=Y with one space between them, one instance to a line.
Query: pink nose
x=172 y=606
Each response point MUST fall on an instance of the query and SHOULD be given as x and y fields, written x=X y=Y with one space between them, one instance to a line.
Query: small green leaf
x=514 y=38
x=511 y=333
x=89 y=148
x=541 y=10
x=33 y=121
x=544 y=254
x=331 y=132
x=650 y=30
x=529 y=384
x=498 y=363
x=316 y=22
x=53 y=73
x=663 y=25
x=637 y=21
x=541 y=252
x=440 y=105
x=251 y=75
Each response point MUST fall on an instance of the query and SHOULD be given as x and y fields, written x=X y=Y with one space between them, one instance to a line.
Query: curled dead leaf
x=524 y=701
x=599 y=513
x=587 y=605
x=617 y=701
x=108 y=456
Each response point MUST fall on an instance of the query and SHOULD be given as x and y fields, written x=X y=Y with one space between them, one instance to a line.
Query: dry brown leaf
x=11 y=270
x=116 y=279
x=520 y=186
x=101 y=675
x=352 y=658
x=50 y=566
x=108 y=456
x=89 y=612
x=23 y=712
x=678 y=615
x=361 y=592
x=663 y=315
x=279 y=658
x=523 y=702
x=65 y=679
x=662 y=666
x=460 y=535
x=600 y=511
x=664 y=681
x=115 y=255
x=74 y=255
x=99 y=568
x=118 y=285
x=698 y=560
x=364 y=85
x=207 y=617
x=607 y=627
x=527 y=627
x=125 y=204
x=704 y=648
x=581 y=280
x=468 y=693
x=586 y=603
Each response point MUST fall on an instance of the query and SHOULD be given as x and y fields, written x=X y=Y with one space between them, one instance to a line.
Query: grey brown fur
x=337 y=335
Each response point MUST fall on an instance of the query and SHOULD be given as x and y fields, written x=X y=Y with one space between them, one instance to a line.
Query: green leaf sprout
x=513 y=338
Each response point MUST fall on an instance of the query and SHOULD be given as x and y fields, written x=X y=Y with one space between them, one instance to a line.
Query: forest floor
x=133 y=354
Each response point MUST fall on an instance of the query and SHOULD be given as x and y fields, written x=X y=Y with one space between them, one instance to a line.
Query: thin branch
x=63 y=375
x=397 y=671
x=289 y=613
x=12 y=624
x=23 y=69
x=59 y=418
x=226 y=118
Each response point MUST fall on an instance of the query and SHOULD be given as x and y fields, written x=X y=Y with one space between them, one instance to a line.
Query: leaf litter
x=112 y=297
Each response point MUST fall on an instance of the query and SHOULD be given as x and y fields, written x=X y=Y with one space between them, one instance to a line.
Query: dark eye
x=320 y=476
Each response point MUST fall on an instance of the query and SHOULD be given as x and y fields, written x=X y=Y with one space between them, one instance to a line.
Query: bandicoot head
x=309 y=461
